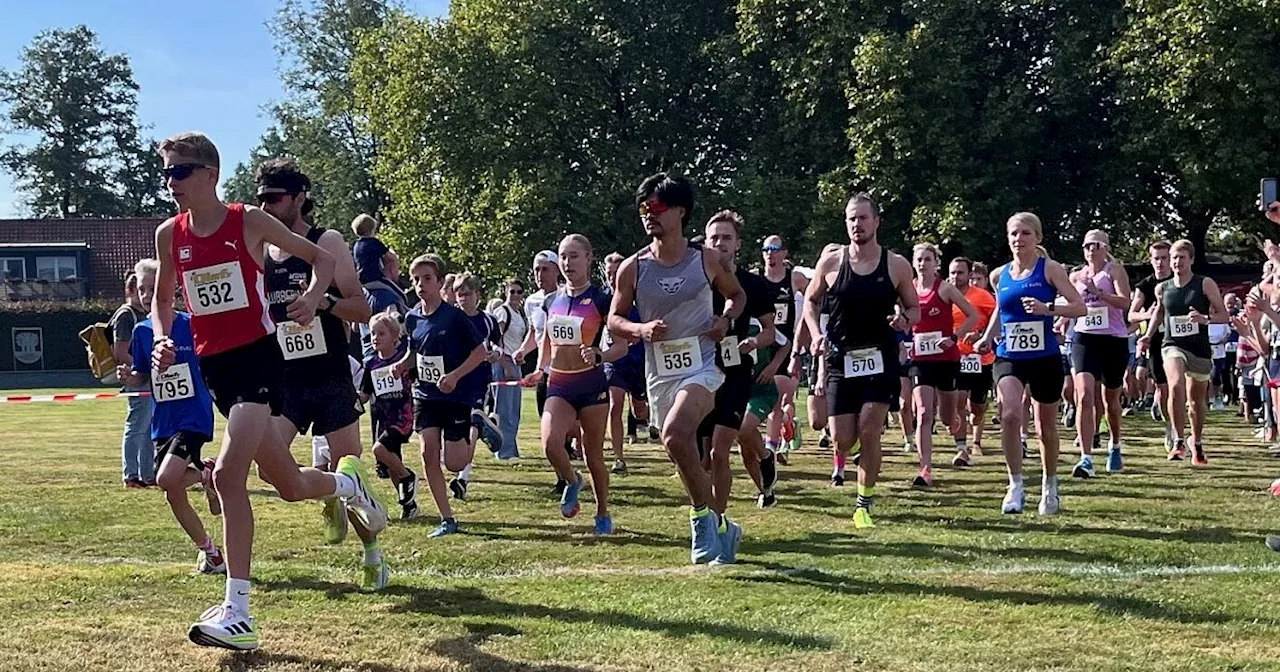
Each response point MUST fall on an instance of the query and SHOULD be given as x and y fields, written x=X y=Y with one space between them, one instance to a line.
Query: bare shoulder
x=899 y=266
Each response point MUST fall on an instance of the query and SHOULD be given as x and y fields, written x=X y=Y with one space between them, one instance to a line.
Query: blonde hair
x=145 y=266
x=979 y=267
x=466 y=281
x=365 y=225
x=192 y=145
x=432 y=260
x=1186 y=246
x=580 y=240
x=390 y=318
x=1106 y=240
x=1031 y=220
x=930 y=248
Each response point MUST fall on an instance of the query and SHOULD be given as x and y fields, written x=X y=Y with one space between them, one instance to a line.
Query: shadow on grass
x=466 y=650
x=826 y=544
x=1117 y=605
x=473 y=602
x=1197 y=535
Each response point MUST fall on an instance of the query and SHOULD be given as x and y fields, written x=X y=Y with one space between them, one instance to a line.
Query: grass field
x=1161 y=568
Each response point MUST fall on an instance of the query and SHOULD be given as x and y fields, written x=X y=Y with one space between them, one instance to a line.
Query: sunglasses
x=653 y=207
x=1092 y=246
x=772 y=248
x=181 y=171
x=515 y=290
x=273 y=198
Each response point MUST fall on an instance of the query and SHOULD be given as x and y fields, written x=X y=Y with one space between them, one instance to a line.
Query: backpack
x=97 y=344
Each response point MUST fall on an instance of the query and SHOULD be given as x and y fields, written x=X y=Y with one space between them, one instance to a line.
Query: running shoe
x=489 y=432
x=335 y=521
x=1198 y=458
x=653 y=435
x=824 y=441
x=1273 y=542
x=134 y=484
x=924 y=479
x=1115 y=461
x=962 y=459
x=769 y=471
x=1025 y=453
x=569 y=504
x=211 y=563
x=1069 y=416
x=1275 y=488
x=407 y=489
x=909 y=446
x=1049 y=501
x=788 y=429
x=206 y=484
x=365 y=505
x=766 y=500
x=1218 y=405
x=862 y=519
x=793 y=444
x=1156 y=415
x=705 y=545
x=1084 y=468
x=1015 y=499
x=1179 y=451
x=224 y=626
x=604 y=526
x=729 y=541
x=837 y=480
x=447 y=526
x=458 y=486
x=557 y=490
x=409 y=511
x=375 y=577
x=782 y=459
x=619 y=467
x=1128 y=411
x=381 y=470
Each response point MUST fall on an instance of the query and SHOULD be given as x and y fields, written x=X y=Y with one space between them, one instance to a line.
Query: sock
x=724 y=525
x=698 y=512
x=238 y=594
x=962 y=443
x=1015 y=480
x=344 y=486
x=770 y=446
x=1047 y=482
x=372 y=554
x=206 y=546
x=866 y=496
x=465 y=474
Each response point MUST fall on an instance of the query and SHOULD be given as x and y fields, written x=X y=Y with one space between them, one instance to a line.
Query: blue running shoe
x=1115 y=462
x=569 y=505
x=447 y=526
x=604 y=525
x=489 y=432
x=1084 y=468
x=729 y=540
x=706 y=537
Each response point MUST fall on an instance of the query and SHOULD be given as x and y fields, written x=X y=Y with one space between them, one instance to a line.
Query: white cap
x=547 y=256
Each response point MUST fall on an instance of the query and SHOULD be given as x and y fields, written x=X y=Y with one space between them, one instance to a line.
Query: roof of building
x=115 y=244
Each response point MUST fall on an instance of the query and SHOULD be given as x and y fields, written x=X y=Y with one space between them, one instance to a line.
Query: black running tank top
x=305 y=357
x=861 y=306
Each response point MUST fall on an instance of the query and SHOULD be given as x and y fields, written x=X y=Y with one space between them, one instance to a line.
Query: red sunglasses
x=653 y=207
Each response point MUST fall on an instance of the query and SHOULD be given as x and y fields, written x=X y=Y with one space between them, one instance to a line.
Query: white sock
x=1015 y=481
x=344 y=485
x=962 y=444
x=319 y=452
x=372 y=554
x=465 y=474
x=238 y=594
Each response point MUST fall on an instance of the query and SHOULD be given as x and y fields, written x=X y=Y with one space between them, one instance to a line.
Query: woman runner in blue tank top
x=1027 y=355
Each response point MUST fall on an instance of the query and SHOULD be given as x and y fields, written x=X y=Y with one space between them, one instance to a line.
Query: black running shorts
x=731 y=404
x=1106 y=358
x=183 y=446
x=977 y=384
x=1043 y=375
x=941 y=376
x=250 y=374
x=321 y=407
x=452 y=418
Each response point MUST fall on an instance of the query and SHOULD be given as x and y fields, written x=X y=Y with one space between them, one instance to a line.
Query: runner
x=935 y=361
x=1186 y=304
x=973 y=385
x=466 y=292
x=867 y=283
x=1143 y=307
x=626 y=378
x=181 y=421
x=318 y=394
x=671 y=283
x=736 y=358
x=979 y=277
x=217 y=251
x=446 y=351
x=546 y=273
x=777 y=272
x=392 y=409
x=1100 y=353
x=1027 y=357
x=817 y=404
x=446 y=289
x=759 y=464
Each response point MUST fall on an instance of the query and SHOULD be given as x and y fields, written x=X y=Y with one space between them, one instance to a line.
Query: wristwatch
x=329 y=303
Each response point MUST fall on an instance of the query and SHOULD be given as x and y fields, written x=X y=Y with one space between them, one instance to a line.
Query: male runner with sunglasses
x=777 y=273
x=216 y=249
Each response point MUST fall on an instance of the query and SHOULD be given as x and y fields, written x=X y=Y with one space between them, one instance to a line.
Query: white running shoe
x=213 y=563
x=1049 y=501
x=1014 y=499
x=364 y=504
x=225 y=627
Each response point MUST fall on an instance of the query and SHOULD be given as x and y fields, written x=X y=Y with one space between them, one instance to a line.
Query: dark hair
x=864 y=197
x=284 y=173
x=968 y=263
x=674 y=192
x=515 y=281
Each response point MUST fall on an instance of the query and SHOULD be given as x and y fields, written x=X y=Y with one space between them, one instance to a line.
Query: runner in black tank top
x=860 y=346
x=782 y=422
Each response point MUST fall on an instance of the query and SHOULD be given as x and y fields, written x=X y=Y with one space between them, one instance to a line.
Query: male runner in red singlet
x=216 y=249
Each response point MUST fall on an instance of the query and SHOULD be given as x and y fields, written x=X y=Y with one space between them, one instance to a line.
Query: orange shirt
x=983 y=302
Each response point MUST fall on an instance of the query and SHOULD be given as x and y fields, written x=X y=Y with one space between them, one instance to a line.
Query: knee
x=816 y=422
x=171 y=483
x=1010 y=418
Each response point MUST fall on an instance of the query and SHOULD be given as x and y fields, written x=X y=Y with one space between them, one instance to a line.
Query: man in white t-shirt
x=546 y=273
x=506 y=399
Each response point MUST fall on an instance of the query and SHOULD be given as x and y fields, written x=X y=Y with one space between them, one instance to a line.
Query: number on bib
x=730 y=355
x=927 y=343
x=173 y=385
x=864 y=362
x=298 y=342
x=215 y=289
x=385 y=382
x=430 y=369
x=565 y=329
x=677 y=358
x=1098 y=319
x=1024 y=337
x=780 y=313
x=1232 y=346
x=1181 y=326
x=971 y=364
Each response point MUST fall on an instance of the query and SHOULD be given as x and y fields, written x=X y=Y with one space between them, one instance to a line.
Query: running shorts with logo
x=629 y=377
x=847 y=395
x=249 y=374
x=185 y=446
x=581 y=390
x=452 y=418
x=1106 y=358
x=764 y=398
x=731 y=403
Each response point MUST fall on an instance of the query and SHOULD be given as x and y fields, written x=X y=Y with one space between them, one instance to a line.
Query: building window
x=13 y=268
x=55 y=268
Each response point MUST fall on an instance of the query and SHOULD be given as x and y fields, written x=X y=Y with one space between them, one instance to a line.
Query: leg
x=617 y=428
x=1047 y=430
x=1199 y=390
x=751 y=445
x=1175 y=370
x=558 y=418
x=923 y=396
x=248 y=426
x=174 y=478
x=1086 y=421
x=394 y=462
x=593 y=420
x=1009 y=391
x=1114 y=409
x=870 y=427
x=679 y=436
x=129 y=467
x=432 y=450
x=721 y=471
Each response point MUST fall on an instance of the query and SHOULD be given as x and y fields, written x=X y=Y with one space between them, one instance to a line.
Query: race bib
x=1220 y=351
x=864 y=362
x=606 y=340
x=780 y=313
x=1181 y=326
x=385 y=382
x=927 y=343
x=430 y=369
x=679 y=357
x=971 y=364
x=297 y=341
x=1097 y=319
x=1024 y=336
x=215 y=289
x=173 y=385
x=1232 y=346
x=565 y=329
x=730 y=355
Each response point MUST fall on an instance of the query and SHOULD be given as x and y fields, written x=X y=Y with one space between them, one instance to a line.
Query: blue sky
x=208 y=66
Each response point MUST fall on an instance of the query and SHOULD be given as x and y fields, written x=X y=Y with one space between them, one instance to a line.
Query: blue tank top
x=1023 y=335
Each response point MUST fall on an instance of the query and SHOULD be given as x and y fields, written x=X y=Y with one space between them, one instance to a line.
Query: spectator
x=512 y=327
x=137 y=453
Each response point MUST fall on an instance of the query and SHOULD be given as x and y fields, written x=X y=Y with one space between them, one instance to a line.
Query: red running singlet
x=222 y=283
x=935 y=323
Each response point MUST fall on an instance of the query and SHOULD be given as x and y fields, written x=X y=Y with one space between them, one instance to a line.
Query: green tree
x=78 y=105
